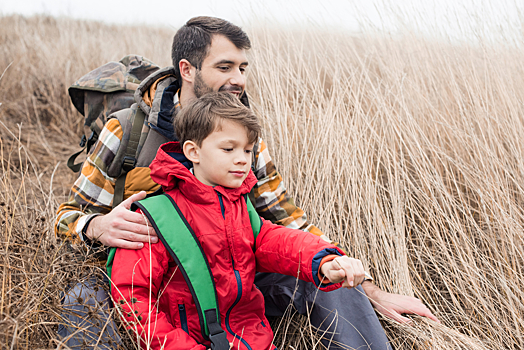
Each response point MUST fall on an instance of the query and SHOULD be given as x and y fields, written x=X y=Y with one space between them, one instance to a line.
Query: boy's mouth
x=238 y=173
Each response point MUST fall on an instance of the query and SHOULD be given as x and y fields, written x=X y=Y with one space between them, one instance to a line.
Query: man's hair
x=204 y=115
x=192 y=41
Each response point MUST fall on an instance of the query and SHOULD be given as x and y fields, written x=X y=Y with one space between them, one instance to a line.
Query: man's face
x=224 y=158
x=222 y=70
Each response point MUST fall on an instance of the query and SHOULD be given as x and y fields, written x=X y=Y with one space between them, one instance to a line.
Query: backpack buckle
x=88 y=141
x=83 y=141
x=219 y=341
x=217 y=336
x=128 y=163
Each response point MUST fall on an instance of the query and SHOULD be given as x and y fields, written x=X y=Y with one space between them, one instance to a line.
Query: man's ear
x=191 y=151
x=187 y=71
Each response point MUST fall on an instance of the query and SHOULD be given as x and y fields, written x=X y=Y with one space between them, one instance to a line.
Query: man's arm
x=394 y=305
x=91 y=201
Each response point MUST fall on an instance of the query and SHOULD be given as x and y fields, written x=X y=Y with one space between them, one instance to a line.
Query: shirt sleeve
x=272 y=201
x=93 y=191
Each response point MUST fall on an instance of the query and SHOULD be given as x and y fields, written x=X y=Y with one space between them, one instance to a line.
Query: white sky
x=454 y=18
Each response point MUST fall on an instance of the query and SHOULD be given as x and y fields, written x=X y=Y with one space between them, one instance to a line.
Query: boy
x=217 y=134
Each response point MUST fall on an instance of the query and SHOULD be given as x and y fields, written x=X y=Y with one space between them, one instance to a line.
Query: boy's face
x=224 y=157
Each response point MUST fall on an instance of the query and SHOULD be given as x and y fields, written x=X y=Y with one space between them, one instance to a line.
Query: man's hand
x=394 y=305
x=344 y=269
x=122 y=228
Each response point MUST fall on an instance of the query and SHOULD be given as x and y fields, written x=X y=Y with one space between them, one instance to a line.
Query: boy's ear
x=187 y=71
x=191 y=151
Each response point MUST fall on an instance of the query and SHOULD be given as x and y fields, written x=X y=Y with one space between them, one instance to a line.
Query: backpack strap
x=129 y=160
x=184 y=247
x=86 y=144
x=254 y=218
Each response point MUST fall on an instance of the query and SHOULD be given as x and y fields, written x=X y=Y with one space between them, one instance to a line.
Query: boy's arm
x=90 y=203
x=294 y=253
x=272 y=201
x=136 y=280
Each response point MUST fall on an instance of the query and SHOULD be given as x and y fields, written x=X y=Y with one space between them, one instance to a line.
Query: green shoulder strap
x=185 y=249
x=254 y=218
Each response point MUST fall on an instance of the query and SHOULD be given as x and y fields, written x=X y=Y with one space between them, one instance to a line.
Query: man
x=209 y=54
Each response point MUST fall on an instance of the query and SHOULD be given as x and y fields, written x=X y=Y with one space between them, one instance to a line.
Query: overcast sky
x=455 y=18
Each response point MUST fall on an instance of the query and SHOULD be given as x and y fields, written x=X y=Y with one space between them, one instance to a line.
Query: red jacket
x=148 y=279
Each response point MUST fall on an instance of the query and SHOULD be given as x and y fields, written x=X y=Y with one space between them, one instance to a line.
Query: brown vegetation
x=408 y=151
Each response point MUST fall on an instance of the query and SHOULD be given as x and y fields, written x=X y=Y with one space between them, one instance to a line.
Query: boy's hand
x=344 y=269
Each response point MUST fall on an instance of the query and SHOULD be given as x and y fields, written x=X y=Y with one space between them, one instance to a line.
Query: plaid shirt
x=92 y=193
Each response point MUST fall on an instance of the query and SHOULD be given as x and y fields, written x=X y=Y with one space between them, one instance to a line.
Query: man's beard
x=200 y=88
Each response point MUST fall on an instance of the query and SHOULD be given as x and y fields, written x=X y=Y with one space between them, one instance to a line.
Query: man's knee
x=86 y=294
x=86 y=319
x=280 y=292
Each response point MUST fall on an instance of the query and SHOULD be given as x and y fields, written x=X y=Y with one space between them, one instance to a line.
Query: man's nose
x=237 y=78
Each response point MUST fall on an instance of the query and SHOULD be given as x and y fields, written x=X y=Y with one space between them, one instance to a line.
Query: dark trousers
x=86 y=319
x=341 y=316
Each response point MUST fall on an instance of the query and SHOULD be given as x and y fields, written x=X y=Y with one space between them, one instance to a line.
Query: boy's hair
x=204 y=115
x=193 y=39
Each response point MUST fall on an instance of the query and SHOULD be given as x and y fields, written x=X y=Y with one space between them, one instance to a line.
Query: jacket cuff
x=317 y=262
x=81 y=229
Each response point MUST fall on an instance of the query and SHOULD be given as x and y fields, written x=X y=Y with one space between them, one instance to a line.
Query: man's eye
x=224 y=68
x=242 y=69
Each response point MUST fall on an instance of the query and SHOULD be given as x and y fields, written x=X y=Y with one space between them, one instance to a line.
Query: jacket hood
x=170 y=169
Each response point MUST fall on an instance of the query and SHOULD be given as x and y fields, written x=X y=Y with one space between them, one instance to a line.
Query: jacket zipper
x=183 y=317
x=239 y=284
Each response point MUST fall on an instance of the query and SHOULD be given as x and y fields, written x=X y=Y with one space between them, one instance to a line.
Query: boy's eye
x=248 y=151
x=227 y=149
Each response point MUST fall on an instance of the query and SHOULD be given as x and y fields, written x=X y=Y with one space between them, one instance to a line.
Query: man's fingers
x=136 y=232
x=136 y=197
x=422 y=310
x=399 y=318
x=122 y=243
x=134 y=237
x=138 y=218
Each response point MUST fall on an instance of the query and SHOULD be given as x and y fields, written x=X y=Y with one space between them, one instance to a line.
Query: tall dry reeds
x=406 y=150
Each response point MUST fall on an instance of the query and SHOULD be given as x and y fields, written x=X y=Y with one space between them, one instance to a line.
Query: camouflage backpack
x=111 y=91
x=102 y=92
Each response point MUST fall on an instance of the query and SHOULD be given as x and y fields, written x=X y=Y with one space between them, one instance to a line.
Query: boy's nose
x=242 y=158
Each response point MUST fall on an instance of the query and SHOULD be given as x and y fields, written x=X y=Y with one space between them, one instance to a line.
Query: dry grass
x=408 y=151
